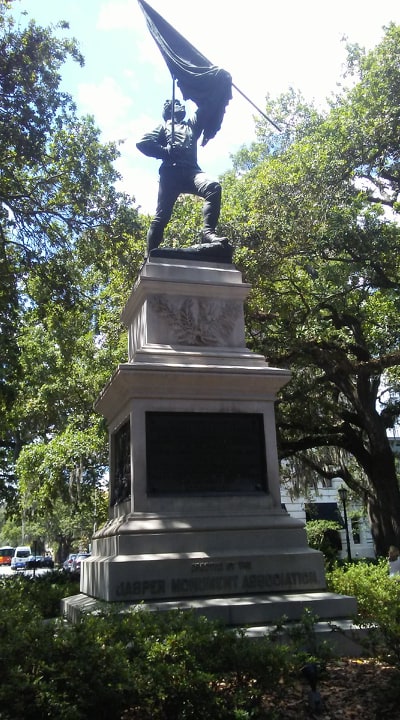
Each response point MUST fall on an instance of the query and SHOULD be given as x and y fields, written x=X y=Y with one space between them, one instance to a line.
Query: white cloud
x=139 y=182
x=117 y=15
x=108 y=103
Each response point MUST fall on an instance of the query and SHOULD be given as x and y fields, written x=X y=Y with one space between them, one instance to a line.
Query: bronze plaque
x=205 y=453
x=121 y=470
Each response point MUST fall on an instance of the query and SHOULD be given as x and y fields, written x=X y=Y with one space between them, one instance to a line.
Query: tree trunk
x=384 y=500
x=378 y=463
x=64 y=548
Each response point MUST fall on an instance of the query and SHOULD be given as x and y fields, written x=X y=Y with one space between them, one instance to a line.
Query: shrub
x=183 y=666
x=378 y=603
x=44 y=592
x=324 y=535
x=113 y=665
x=137 y=665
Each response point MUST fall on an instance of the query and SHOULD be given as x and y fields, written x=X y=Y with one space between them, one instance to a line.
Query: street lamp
x=343 y=496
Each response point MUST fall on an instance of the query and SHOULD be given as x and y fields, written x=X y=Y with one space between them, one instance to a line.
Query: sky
x=266 y=45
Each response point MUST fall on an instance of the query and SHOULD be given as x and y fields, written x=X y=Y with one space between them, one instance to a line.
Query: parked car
x=48 y=562
x=32 y=561
x=76 y=564
x=67 y=564
x=21 y=555
x=39 y=561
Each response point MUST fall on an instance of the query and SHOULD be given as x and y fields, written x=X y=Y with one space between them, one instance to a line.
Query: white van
x=21 y=554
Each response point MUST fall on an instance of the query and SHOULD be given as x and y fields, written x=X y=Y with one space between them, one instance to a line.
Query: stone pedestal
x=195 y=507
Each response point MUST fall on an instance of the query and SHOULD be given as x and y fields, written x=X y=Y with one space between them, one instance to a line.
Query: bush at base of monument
x=378 y=603
x=128 y=666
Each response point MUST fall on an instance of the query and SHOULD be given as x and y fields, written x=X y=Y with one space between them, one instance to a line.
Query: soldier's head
x=179 y=110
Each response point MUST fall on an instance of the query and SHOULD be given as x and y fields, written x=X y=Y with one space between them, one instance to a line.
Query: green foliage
x=315 y=218
x=303 y=641
x=378 y=604
x=57 y=178
x=320 y=536
x=116 y=664
x=183 y=666
x=70 y=247
x=41 y=595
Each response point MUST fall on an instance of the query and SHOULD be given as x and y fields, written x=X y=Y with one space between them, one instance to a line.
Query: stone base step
x=254 y=610
x=258 y=614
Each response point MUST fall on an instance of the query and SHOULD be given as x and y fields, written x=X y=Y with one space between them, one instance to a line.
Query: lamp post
x=343 y=496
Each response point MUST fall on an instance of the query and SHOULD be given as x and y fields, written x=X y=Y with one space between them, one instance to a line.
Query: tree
x=70 y=246
x=315 y=220
x=56 y=177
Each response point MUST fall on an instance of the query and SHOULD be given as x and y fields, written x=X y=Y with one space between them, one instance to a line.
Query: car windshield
x=22 y=553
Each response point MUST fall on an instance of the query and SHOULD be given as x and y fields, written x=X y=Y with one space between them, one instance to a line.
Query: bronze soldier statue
x=175 y=143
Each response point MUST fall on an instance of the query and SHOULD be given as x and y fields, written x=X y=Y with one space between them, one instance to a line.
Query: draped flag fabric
x=199 y=80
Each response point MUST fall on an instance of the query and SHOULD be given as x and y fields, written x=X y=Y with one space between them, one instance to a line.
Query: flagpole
x=173 y=111
x=257 y=108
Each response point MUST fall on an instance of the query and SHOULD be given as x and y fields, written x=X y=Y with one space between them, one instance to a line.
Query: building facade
x=325 y=504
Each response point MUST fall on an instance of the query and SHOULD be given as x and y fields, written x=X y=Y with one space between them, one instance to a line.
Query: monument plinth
x=195 y=509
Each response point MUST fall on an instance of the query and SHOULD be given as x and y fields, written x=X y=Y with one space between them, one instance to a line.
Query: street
x=6 y=570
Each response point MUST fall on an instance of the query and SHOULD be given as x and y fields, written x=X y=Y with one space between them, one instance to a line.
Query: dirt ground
x=349 y=689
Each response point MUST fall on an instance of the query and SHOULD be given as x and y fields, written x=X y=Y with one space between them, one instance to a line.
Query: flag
x=209 y=86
